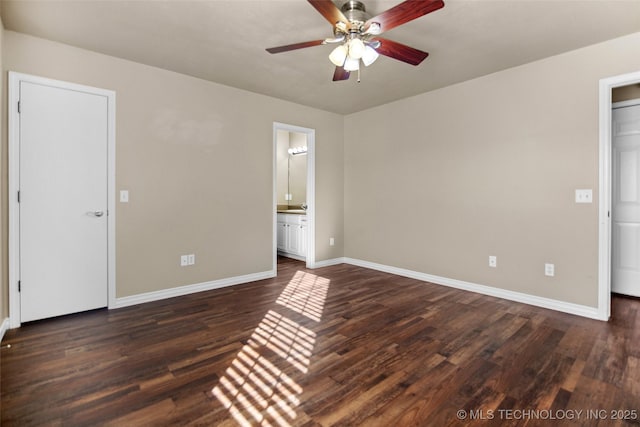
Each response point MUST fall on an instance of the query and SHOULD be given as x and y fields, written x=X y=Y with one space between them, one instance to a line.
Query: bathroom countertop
x=293 y=211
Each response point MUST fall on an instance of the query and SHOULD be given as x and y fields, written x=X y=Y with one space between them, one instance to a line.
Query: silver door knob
x=96 y=213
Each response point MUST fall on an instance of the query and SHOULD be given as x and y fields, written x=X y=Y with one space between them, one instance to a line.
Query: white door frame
x=605 y=189
x=311 y=191
x=14 y=184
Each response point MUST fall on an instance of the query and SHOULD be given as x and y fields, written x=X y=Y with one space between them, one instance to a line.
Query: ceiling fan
x=357 y=34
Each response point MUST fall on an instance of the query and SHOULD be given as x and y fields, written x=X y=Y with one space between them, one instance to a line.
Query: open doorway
x=293 y=193
x=608 y=87
x=625 y=195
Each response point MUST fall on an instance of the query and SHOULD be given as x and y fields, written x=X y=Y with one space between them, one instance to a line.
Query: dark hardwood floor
x=339 y=345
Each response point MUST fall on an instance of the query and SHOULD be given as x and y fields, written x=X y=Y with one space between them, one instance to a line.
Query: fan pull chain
x=358 y=75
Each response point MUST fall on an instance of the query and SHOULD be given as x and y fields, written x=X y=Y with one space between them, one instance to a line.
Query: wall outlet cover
x=549 y=270
x=584 y=196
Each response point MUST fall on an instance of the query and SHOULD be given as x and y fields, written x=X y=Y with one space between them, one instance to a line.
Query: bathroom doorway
x=293 y=193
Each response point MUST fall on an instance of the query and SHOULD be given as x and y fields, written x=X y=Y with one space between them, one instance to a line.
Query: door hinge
x=18 y=196
x=18 y=107
x=19 y=286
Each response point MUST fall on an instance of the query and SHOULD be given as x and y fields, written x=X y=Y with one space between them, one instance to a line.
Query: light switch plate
x=124 y=196
x=584 y=196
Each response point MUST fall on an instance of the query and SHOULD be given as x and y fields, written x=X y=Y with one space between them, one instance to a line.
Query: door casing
x=14 y=185
x=605 y=188
x=311 y=191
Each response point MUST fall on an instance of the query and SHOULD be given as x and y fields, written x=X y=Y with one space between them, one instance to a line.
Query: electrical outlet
x=331 y=241
x=184 y=260
x=584 y=196
x=191 y=259
x=493 y=261
x=549 y=270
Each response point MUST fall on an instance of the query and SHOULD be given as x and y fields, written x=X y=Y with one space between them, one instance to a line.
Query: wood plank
x=384 y=350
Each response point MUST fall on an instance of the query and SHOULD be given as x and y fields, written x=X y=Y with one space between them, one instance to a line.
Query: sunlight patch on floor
x=287 y=339
x=257 y=387
x=305 y=294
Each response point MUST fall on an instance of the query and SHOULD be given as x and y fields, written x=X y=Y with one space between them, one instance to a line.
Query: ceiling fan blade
x=341 y=74
x=403 y=13
x=295 y=46
x=330 y=12
x=400 y=51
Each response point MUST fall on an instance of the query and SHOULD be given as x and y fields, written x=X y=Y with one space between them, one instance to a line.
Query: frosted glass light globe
x=338 y=56
x=356 y=48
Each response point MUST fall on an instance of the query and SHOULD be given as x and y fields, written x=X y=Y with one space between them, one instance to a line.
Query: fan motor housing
x=356 y=13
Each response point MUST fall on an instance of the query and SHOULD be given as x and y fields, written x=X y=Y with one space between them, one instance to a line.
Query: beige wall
x=196 y=158
x=282 y=156
x=439 y=182
x=435 y=183
x=625 y=93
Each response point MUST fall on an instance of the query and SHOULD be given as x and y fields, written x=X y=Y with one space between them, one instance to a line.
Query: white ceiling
x=224 y=41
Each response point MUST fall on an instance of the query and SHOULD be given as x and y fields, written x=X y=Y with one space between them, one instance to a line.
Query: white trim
x=14 y=207
x=311 y=191
x=604 y=222
x=191 y=289
x=566 y=307
x=111 y=199
x=4 y=328
x=14 y=184
x=329 y=262
x=274 y=196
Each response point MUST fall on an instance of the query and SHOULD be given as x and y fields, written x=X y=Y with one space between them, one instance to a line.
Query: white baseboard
x=566 y=307
x=328 y=262
x=190 y=289
x=548 y=303
x=4 y=328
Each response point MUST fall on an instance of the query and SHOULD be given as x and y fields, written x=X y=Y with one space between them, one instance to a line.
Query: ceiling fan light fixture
x=355 y=30
x=356 y=48
x=338 y=55
x=352 y=64
x=370 y=56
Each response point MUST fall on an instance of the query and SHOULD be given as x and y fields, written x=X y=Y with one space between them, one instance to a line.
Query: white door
x=625 y=268
x=63 y=201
